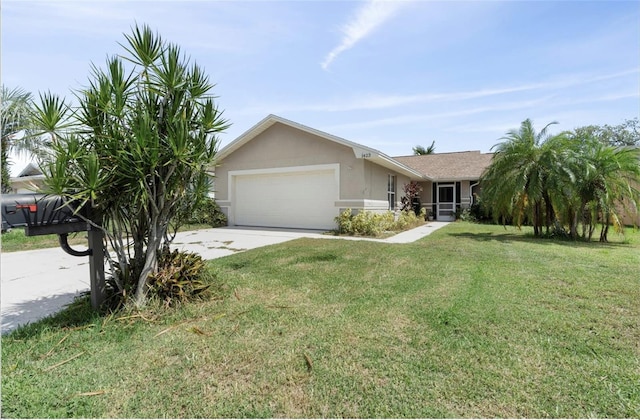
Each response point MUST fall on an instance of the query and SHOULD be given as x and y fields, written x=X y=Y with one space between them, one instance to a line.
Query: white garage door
x=303 y=199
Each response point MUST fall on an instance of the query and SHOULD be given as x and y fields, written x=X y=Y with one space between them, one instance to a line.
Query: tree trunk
x=537 y=218
x=574 y=224
x=550 y=213
x=157 y=229
x=6 y=184
x=582 y=216
x=150 y=265
x=605 y=229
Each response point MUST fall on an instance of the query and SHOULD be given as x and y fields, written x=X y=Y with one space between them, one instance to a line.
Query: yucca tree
x=516 y=184
x=17 y=134
x=136 y=149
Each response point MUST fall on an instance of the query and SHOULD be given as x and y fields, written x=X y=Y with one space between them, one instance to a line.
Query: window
x=391 y=191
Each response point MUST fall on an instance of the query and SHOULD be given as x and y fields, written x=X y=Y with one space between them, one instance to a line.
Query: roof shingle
x=454 y=166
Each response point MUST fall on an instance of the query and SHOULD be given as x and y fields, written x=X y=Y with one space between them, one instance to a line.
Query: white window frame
x=391 y=191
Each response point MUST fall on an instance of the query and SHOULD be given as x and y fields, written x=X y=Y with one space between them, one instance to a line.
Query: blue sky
x=389 y=75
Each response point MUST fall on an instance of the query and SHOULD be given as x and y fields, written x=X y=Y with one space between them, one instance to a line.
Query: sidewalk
x=38 y=283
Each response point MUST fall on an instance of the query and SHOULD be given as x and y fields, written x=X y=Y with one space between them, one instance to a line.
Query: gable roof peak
x=359 y=150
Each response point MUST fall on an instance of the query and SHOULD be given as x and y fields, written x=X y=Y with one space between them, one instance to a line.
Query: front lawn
x=472 y=321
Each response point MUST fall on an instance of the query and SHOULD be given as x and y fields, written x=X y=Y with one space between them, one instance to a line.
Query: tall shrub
x=565 y=181
x=411 y=198
x=136 y=149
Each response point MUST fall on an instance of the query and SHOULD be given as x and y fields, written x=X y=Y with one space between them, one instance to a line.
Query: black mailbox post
x=43 y=214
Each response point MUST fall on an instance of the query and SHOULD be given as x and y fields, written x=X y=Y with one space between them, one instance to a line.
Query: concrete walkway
x=39 y=283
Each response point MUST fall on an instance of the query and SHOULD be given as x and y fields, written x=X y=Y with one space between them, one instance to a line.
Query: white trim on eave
x=360 y=151
x=456 y=179
x=30 y=170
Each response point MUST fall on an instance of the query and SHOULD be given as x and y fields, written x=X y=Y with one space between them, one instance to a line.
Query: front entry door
x=446 y=203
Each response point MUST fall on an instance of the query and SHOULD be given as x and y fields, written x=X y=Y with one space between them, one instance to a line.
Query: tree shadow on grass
x=68 y=310
x=529 y=238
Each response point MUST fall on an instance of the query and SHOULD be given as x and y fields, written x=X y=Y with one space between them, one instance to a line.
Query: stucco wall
x=281 y=146
x=629 y=217
x=27 y=185
x=376 y=183
x=363 y=184
x=632 y=214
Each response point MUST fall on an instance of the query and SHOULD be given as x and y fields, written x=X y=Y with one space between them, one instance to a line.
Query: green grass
x=16 y=240
x=472 y=321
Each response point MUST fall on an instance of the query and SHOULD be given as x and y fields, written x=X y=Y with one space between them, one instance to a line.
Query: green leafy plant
x=411 y=198
x=137 y=147
x=465 y=215
x=479 y=211
x=179 y=277
x=367 y=223
x=372 y=224
x=344 y=221
x=206 y=212
x=409 y=219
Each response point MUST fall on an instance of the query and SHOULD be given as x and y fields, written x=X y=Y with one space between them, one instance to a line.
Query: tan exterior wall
x=281 y=146
x=26 y=185
x=375 y=186
x=630 y=218
x=425 y=196
x=363 y=184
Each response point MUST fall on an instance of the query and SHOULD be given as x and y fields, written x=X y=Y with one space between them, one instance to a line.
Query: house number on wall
x=366 y=155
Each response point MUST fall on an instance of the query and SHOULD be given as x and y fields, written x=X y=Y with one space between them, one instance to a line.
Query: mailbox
x=42 y=214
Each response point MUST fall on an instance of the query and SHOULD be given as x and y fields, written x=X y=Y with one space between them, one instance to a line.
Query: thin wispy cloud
x=391 y=101
x=365 y=102
x=423 y=117
x=532 y=104
x=366 y=20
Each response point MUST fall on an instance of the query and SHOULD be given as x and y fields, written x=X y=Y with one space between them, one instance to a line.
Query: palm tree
x=565 y=180
x=609 y=184
x=599 y=183
x=516 y=184
x=420 y=150
x=565 y=167
x=17 y=136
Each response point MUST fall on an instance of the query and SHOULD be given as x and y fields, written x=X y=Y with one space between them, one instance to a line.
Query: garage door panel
x=292 y=199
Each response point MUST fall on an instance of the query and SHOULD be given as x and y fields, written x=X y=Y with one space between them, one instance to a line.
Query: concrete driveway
x=38 y=283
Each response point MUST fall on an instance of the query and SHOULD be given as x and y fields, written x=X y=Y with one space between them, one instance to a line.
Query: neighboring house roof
x=359 y=150
x=455 y=166
x=30 y=179
x=30 y=170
